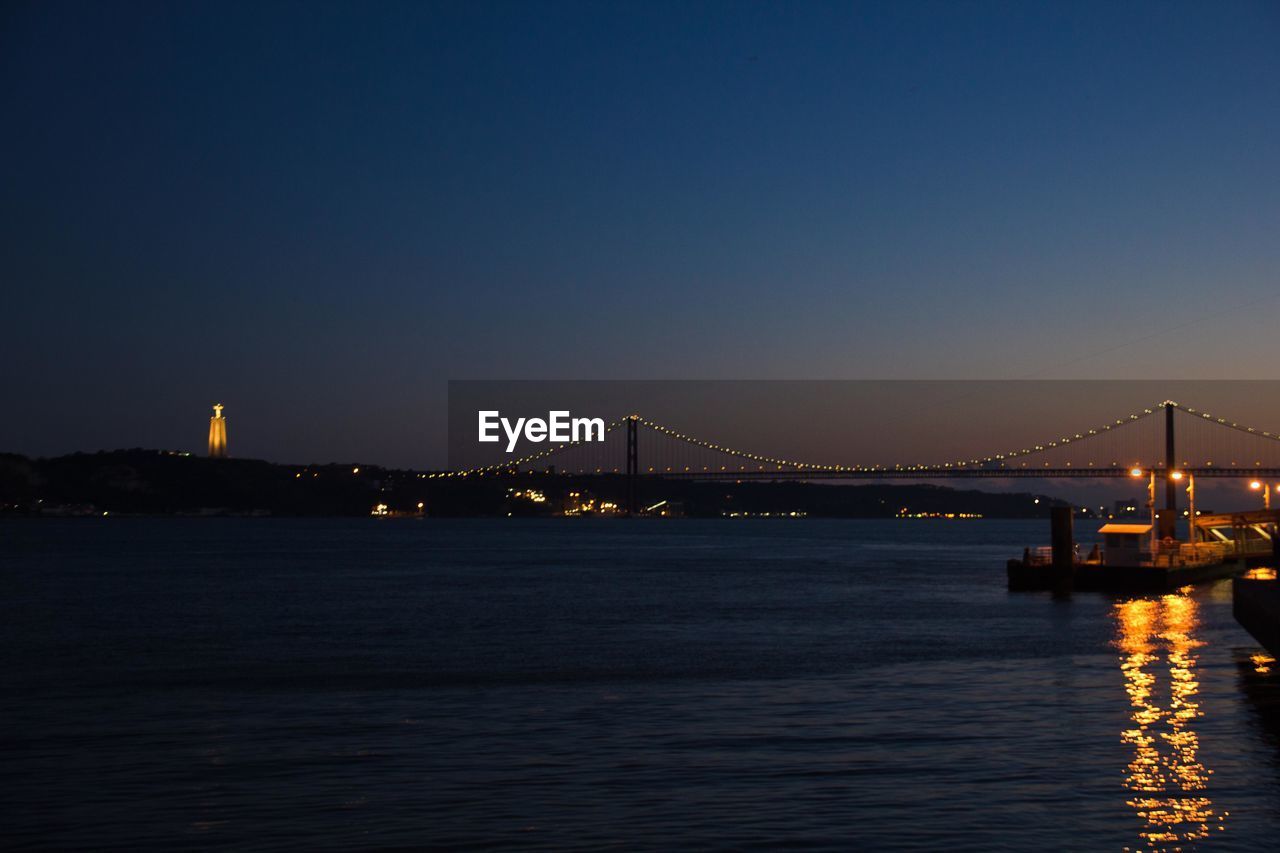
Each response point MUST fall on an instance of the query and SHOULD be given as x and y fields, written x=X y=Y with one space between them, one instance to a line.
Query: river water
x=264 y=684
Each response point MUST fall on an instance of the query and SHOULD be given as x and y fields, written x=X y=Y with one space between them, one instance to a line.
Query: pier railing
x=1183 y=554
x=1167 y=555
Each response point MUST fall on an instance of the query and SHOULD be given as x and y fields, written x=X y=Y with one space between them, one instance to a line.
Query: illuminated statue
x=217 y=433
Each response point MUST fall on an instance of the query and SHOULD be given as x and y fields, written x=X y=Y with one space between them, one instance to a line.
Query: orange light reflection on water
x=1169 y=781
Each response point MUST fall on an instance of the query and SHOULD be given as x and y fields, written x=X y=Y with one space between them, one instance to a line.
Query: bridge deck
x=954 y=473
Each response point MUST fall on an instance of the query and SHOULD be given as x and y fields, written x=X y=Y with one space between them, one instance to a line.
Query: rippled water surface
x=266 y=684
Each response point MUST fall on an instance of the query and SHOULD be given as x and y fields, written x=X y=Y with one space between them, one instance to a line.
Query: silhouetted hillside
x=159 y=482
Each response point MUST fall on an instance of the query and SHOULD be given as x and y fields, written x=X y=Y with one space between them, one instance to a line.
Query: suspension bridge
x=1165 y=438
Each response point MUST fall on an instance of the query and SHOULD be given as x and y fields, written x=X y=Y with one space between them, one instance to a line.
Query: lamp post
x=1266 y=504
x=1175 y=476
x=1151 y=502
x=1191 y=507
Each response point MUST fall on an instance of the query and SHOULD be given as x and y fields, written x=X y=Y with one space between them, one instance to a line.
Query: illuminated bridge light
x=811 y=468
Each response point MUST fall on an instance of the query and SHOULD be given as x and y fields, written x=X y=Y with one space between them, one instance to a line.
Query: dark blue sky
x=309 y=208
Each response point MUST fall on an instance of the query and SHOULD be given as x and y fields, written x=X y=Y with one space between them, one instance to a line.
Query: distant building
x=217 y=434
x=1125 y=509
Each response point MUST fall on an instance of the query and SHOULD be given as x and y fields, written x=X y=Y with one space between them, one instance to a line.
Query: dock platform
x=1092 y=576
x=1130 y=558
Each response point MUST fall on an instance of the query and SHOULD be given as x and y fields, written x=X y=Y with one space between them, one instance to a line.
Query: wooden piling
x=1062 y=538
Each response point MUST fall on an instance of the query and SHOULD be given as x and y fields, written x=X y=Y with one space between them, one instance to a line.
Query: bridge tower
x=217 y=433
x=1170 y=460
x=633 y=465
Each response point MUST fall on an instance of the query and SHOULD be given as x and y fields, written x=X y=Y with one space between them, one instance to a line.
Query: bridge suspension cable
x=1116 y=445
x=995 y=458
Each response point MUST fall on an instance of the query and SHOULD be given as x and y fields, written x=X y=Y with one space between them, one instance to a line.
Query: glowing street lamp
x=1266 y=492
x=1191 y=507
x=1177 y=477
x=1137 y=473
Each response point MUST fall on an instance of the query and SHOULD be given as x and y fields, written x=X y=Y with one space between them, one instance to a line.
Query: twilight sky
x=319 y=213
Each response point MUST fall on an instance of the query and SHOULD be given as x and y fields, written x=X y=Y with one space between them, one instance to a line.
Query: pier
x=1131 y=557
